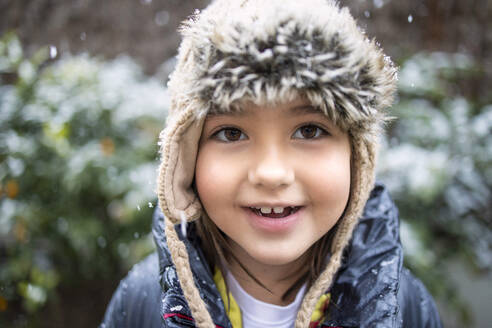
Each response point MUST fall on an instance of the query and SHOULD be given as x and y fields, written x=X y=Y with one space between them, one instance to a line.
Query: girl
x=267 y=164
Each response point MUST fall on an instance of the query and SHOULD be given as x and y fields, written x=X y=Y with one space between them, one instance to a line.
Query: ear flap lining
x=179 y=149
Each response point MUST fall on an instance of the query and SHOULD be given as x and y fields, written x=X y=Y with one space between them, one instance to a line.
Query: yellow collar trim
x=230 y=305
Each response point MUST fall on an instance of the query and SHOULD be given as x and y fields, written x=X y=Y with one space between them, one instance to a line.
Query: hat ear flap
x=179 y=148
x=363 y=159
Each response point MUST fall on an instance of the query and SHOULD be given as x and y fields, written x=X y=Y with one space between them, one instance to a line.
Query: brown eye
x=309 y=131
x=229 y=135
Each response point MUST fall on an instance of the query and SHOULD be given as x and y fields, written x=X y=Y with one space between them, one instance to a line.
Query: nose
x=271 y=170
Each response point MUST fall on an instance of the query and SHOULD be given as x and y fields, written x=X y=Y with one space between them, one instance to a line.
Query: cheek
x=207 y=178
x=330 y=181
x=214 y=179
x=206 y=172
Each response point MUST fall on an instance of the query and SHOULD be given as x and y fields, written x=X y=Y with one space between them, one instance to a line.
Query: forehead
x=296 y=107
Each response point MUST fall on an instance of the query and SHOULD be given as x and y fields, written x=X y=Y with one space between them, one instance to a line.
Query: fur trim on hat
x=273 y=50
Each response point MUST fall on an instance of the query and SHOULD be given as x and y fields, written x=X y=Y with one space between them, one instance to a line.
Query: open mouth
x=275 y=212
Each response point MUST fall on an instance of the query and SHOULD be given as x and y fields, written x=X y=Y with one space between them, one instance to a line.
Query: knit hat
x=265 y=52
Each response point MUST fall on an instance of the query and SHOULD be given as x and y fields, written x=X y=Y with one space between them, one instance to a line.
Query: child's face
x=288 y=156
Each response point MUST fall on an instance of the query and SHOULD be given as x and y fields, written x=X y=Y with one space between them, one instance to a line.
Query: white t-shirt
x=258 y=314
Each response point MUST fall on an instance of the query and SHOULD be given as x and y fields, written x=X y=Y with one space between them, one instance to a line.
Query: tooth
x=266 y=210
x=278 y=210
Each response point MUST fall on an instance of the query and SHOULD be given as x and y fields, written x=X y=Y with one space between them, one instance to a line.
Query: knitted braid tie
x=185 y=276
x=362 y=182
x=176 y=247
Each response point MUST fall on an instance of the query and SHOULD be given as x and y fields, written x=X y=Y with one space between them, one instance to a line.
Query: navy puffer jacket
x=371 y=288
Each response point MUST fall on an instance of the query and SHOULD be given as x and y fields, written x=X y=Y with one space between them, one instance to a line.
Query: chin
x=275 y=258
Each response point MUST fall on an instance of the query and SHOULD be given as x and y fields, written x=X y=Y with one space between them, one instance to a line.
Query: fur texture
x=272 y=51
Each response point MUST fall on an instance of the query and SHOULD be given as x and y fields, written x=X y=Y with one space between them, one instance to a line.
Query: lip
x=277 y=225
x=272 y=205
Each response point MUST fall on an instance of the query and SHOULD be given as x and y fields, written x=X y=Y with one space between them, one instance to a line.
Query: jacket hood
x=364 y=292
x=269 y=52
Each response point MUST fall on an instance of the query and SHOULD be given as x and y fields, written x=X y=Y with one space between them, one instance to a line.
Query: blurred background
x=83 y=98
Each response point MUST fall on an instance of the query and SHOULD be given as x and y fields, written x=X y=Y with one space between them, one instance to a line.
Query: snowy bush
x=437 y=163
x=78 y=147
